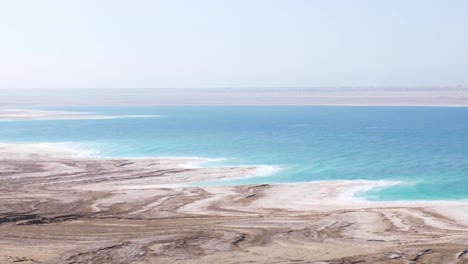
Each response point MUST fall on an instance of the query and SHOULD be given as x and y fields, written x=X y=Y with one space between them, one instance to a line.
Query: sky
x=232 y=43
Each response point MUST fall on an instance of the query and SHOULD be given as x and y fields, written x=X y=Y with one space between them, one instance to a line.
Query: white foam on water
x=196 y=162
x=81 y=150
x=123 y=116
x=365 y=185
x=44 y=115
x=260 y=171
x=200 y=162
x=74 y=149
x=266 y=170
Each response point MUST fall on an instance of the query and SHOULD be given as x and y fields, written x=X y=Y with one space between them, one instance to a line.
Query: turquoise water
x=426 y=148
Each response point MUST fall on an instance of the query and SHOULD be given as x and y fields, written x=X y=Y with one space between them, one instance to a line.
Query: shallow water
x=426 y=148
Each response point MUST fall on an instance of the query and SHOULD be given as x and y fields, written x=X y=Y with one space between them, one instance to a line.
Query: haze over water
x=425 y=148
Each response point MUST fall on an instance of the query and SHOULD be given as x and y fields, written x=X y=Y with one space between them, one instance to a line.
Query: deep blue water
x=424 y=147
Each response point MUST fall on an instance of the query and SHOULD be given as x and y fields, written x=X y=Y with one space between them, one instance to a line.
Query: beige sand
x=56 y=208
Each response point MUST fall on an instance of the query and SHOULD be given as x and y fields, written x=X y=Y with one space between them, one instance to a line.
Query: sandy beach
x=58 y=208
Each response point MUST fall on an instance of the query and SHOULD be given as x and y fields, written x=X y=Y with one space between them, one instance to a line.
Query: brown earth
x=71 y=210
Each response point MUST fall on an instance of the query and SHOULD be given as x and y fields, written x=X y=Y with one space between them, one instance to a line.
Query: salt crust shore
x=57 y=208
x=32 y=114
x=69 y=150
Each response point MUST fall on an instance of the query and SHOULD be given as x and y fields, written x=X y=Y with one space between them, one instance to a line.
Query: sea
x=421 y=151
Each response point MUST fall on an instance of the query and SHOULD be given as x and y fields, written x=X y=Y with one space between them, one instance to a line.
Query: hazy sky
x=232 y=43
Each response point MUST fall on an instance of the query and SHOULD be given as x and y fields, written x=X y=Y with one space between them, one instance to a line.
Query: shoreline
x=53 y=105
x=11 y=115
x=66 y=150
x=120 y=211
x=70 y=150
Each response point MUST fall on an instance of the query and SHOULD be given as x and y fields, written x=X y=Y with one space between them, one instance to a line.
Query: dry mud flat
x=58 y=209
